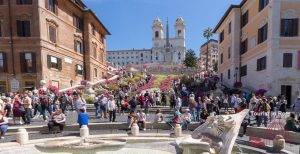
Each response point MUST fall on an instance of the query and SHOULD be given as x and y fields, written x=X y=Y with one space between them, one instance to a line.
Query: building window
x=243 y=70
x=28 y=62
x=288 y=60
x=221 y=58
x=3 y=62
x=263 y=34
x=93 y=30
x=228 y=73
x=1 y=2
x=179 y=55
x=95 y=52
x=78 y=23
x=102 y=39
x=289 y=27
x=23 y=28
x=78 y=46
x=156 y=34
x=229 y=28
x=54 y=62
x=229 y=52
x=79 y=69
x=22 y=2
x=1 y=23
x=52 y=5
x=52 y=34
x=95 y=72
x=101 y=56
x=221 y=36
x=244 y=20
x=142 y=54
x=262 y=63
x=244 y=46
x=179 y=33
x=263 y=4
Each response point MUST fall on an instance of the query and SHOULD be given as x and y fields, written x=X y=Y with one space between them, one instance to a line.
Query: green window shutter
x=59 y=62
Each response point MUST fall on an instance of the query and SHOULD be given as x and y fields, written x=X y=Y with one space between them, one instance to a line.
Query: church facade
x=165 y=50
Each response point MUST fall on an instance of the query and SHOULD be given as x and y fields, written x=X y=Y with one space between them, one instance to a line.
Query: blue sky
x=130 y=21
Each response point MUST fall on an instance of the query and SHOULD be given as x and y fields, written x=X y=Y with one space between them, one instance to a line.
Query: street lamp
x=236 y=74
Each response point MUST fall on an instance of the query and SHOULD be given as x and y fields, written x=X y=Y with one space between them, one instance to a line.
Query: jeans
x=27 y=115
x=262 y=118
x=198 y=112
x=97 y=111
x=192 y=112
x=112 y=115
x=44 y=109
x=185 y=124
x=3 y=129
x=37 y=107
x=53 y=123
x=226 y=106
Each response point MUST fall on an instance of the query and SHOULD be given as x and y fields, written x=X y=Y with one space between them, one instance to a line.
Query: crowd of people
x=187 y=107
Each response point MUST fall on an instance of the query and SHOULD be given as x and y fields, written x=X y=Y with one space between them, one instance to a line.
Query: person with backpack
x=133 y=103
x=97 y=106
x=264 y=110
x=44 y=100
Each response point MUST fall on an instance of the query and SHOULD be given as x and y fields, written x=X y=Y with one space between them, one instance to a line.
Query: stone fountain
x=216 y=136
x=79 y=146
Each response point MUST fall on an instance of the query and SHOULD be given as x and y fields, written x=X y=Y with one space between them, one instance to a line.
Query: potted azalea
x=84 y=82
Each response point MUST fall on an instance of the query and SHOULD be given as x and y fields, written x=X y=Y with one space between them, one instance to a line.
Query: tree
x=190 y=59
x=207 y=34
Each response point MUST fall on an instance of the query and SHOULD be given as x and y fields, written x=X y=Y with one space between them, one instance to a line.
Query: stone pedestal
x=84 y=131
x=178 y=130
x=22 y=136
x=135 y=129
x=278 y=143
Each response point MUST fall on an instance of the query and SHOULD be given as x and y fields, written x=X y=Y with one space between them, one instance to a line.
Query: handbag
x=21 y=109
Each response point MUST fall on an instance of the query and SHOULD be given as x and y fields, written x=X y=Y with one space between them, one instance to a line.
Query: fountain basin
x=79 y=146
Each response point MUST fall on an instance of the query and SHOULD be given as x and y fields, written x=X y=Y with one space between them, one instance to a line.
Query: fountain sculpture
x=216 y=136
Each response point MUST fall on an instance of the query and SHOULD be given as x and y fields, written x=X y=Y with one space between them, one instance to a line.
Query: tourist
x=141 y=116
x=83 y=105
x=44 y=100
x=199 y=106
x=291 y=123
x=172 y=101
x=253 y=102
x=147 y=104
x=192 y=108
x=245 y=124
x=111 y=107
x=186 y=119
x=83 y=118
x=18 y=109
x=37 y=107
x=133 y=103
x=178 y=103
x=3 y=124
x=7 y=106
x=282 y=104
x=79 y=102
x=28 y=107
x=225 y=102
x=132 y=118
x=175 y=119
x=272 y=107
x=158 y=116
x=97 y=105
x=57 y=119
x=296 y=107
x=103 y=104
x=164 y=99
x=157 y=98
x=203 y=116
x=264 y=110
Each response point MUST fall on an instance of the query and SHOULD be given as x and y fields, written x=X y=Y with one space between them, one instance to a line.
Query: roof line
x=227 y=13
x=211 y=40
x=129 y=50
x=90 y=11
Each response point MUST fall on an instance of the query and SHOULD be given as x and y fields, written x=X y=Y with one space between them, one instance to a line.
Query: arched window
x=156 y=34
x=179 y=33
x=179 y=55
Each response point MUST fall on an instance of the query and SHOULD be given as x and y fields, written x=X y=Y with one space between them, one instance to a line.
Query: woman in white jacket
x=111 y=107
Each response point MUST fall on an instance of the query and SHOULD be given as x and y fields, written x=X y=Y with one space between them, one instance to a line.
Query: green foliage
x=100 y=91
x=89 y=99
x=112 y=86
x=190 y=59
x=123 y=83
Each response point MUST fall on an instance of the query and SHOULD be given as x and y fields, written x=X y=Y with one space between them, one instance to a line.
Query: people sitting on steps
x=57 y=119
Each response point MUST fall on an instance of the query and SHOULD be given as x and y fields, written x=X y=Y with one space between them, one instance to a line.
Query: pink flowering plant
x=53 y=89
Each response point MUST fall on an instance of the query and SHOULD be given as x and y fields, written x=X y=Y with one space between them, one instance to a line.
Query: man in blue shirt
x=83 y=118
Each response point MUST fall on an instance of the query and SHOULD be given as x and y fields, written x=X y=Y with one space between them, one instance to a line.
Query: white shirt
x=111 y=105
x=141 y=116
